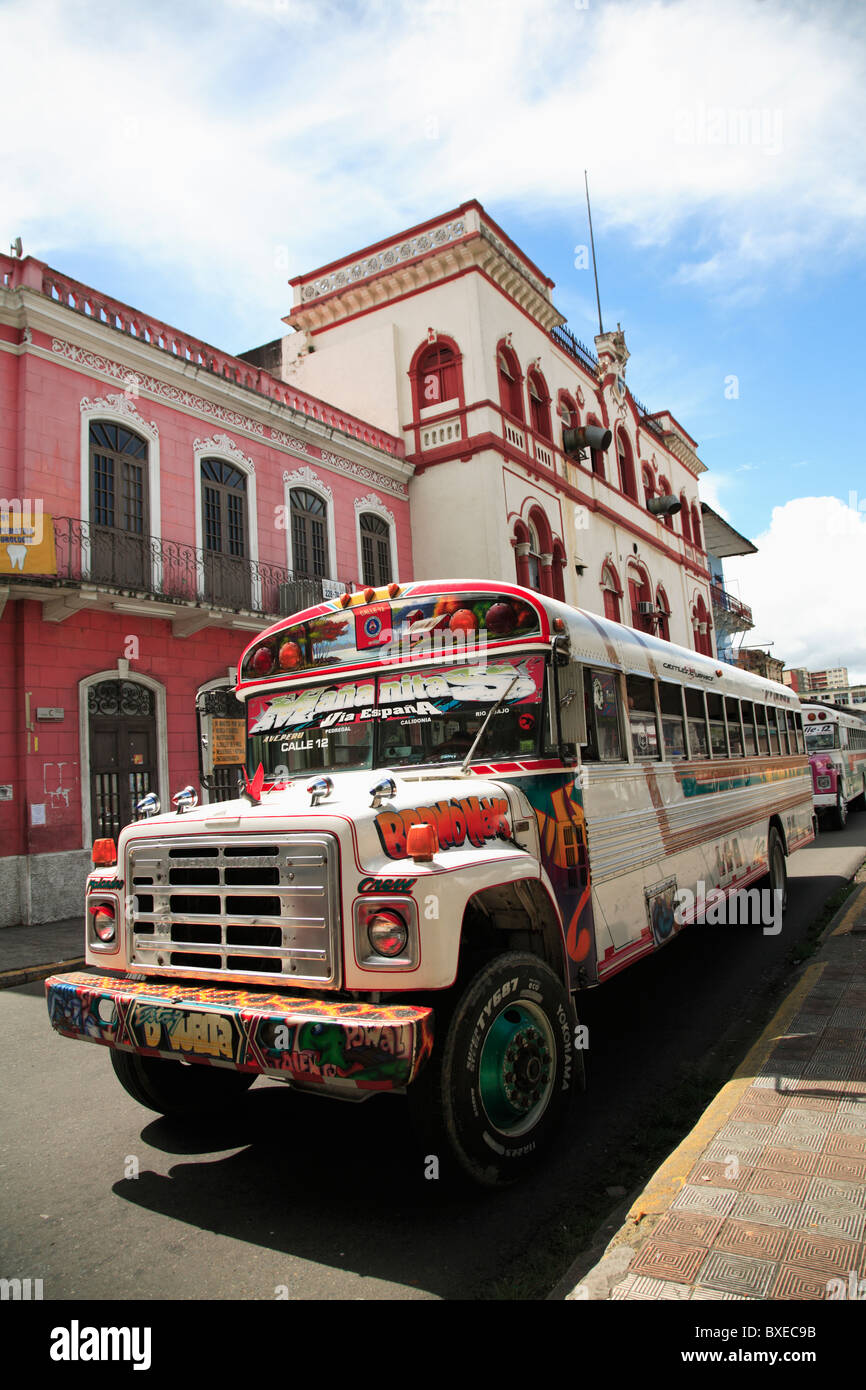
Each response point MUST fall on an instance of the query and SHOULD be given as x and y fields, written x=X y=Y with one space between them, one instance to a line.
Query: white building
x=447 y=336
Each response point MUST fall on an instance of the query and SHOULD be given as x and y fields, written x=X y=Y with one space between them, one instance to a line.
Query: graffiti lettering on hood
x=474 y=819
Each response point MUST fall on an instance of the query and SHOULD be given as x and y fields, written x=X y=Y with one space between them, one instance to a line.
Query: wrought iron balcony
x=152 y=567
x=729 y=612
x=565 y=339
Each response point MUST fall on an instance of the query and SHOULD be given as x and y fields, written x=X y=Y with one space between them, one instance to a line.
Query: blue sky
x=189 y=159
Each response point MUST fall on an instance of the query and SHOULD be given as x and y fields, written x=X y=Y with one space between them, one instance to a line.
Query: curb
x=646 y=1210
x=28 y=973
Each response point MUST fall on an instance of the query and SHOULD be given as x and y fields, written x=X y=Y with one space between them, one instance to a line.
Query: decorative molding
x=84 y=358
x=306 y=475
x=372 y=503
x=513 y=260
x=117 y=405
x=366 y=475
x=391 y=256
x=222 y=444
x=289 y=441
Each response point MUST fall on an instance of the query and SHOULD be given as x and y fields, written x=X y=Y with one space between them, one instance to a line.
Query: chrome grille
x=260 y=907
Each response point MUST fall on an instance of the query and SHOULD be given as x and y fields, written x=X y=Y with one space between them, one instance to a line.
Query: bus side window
x=751 y=745
x=602 y=717
x=763 y=736
x=792 y=731
x=642 y=717
x=671 y=704
x=774 y=731
x=735 y=728
x=718 y=741
x=697 y=717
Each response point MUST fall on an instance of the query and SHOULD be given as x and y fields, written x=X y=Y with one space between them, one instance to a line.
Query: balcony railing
x=101 y=308
x=152 y=567
x=565 y=339
x=736 y=614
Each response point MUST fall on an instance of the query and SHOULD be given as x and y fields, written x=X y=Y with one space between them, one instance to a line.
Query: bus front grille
x=257 y=907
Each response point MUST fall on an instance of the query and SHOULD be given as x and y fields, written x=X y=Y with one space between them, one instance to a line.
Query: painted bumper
x=335 y=1043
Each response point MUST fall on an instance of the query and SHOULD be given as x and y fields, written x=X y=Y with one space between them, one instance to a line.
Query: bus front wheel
x=502 y=1078
x=840 y=815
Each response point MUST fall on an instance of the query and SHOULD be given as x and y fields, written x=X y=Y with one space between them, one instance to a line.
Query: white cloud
x=805 y=585
x=223 y=141
x=711 y=484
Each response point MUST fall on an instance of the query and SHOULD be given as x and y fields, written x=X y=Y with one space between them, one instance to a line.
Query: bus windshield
x=819 y=739
x=399 y=719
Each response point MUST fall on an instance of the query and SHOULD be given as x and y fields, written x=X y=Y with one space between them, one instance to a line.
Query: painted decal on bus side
x=473 y=818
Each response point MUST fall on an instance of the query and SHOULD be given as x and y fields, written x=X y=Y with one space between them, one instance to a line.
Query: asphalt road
x=309 y=1199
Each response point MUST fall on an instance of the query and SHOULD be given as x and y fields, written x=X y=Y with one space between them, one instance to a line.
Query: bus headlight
x=386 y=933
x=103 y=923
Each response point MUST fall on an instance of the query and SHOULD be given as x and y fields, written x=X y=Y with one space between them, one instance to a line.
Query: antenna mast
x=592 y=244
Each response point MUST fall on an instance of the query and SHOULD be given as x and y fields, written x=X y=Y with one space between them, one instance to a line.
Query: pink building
x=161 y=501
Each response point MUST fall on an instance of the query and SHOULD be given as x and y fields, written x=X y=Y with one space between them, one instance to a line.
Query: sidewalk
x=766 y=1198
x=33 y=953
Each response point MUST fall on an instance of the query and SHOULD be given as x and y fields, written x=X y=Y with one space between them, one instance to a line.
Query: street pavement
x=766 y=1198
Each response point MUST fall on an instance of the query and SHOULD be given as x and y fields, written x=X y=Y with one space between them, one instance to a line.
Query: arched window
x=702 y=627
x=534 y=559
x=626 y=465
x=596 y=456
x=640 y=599
x=663 y=614
x=437 y=375
x=309 y=517
x=685 y=514
x=665 y=491
x=224 y=534
x=611 y=592
x=375 y=549
x=119 y=521
x=510 y=383
x=539 y=404
x=647 y=478
x=696 y=527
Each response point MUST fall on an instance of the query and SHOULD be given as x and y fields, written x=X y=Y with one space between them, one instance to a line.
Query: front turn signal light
x=422 y=842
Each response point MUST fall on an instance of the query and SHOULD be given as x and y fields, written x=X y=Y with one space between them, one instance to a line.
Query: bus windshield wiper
x=481 y=732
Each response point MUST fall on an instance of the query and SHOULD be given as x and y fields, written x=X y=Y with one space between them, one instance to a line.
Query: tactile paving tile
x=752 y=1238
x=721 y=1175
x=804 y=1120
x=716 y=1295
x=647 y=1288
x=793 y=1282
x=755 y=1112
x=852 y=1124
x=849 y=1018
x=822 y=1253
x=842 y=1167
x=669 y=1260
x=789 y=1159
x=808 y=1024
x=790 y=1186
x=846 y=1225
x=711 y=1201
x=845 y=1143
x=811 y=1102
x=768 y=1211
x=724 y=1151
x=836 y=1193
x=688 y=1228
x=739 y=1273
x=798 y=1137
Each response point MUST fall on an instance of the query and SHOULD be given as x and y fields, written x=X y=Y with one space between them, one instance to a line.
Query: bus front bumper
x=337 y=1044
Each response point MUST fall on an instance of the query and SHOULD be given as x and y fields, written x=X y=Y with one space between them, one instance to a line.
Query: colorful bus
x=836 y=743
x=464 y=803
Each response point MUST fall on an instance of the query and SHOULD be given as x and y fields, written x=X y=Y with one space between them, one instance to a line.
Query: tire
x=502 y=1075
x=840 y=814
x=183 y=1091
x=859 y=802
x=777 y=876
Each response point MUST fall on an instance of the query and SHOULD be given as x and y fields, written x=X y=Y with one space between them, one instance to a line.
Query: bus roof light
x=369 y=594
x=104 y=852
